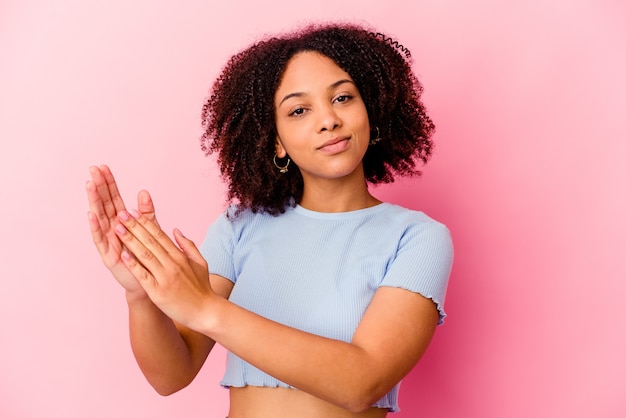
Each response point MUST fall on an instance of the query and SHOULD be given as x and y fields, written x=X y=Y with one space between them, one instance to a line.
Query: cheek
x=294 y=133
x=285 y=143
x=362 y=118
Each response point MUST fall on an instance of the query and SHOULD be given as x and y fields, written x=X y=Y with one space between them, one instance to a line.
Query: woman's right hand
x=105 y=203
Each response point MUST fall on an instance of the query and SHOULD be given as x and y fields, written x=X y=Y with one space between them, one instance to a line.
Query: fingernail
x=120 y=229
x=134 y=213
x=123 y=215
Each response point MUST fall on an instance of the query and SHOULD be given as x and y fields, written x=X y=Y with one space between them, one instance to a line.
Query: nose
x=329 y=120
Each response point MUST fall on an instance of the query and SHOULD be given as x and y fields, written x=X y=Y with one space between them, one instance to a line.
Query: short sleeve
x=218 y=248
x=423 y=262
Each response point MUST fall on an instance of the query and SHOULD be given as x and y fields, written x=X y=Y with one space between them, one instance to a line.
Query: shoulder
x=235 y=221
x=413 y=221
x=424 y=255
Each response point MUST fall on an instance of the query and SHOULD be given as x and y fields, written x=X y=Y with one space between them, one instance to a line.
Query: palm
x=105 y=203
x=111 y=256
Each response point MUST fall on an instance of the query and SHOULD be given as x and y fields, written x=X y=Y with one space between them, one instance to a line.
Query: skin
x=317 y=103
x=177 y=309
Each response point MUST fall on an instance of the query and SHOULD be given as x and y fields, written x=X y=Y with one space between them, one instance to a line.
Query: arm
x=352 y=375
x=169 y=354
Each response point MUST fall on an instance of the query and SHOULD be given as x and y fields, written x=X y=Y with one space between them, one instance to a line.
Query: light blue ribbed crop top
x=318 y=272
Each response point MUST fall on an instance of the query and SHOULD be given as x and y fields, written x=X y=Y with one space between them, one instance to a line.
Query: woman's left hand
x=176 y=278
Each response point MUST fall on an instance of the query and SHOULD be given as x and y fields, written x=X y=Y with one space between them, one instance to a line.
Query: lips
x=335 y=144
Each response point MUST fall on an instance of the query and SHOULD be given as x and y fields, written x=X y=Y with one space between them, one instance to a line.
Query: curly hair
x=239 y=120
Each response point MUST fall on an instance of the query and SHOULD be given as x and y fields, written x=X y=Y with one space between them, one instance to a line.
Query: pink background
x=529 y=175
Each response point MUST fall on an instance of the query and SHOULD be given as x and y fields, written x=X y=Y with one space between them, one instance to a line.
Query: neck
x=331 y=195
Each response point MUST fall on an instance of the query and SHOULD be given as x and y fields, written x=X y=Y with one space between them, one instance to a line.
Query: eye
x=343 y=98
x=299 y=111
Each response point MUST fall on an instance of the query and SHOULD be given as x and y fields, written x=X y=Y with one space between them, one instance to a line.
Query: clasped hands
x=142 y=257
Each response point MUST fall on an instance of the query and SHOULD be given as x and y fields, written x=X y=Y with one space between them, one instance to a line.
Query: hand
x=105 y=203
x=176 y=278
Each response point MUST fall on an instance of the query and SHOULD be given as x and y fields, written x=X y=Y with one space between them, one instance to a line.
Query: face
x=321 y=119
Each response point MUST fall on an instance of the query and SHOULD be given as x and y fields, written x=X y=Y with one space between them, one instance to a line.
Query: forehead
x=308 y=70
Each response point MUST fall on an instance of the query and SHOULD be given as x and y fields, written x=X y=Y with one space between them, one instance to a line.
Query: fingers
x=145 y=277
x=102 y=205
x=146 y=206
x=147 y=242
x=97 y=235
x=95 y=203
x=189 y=248
x=103 y=195
x=93 y=195
x=113 y=192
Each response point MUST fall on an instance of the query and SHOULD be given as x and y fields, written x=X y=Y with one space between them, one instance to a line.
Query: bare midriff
x=263 y=402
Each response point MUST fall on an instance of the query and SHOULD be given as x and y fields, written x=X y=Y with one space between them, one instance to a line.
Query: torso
x=263 y=402
x=245 y=250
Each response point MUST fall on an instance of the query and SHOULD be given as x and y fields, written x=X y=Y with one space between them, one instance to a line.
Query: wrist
x=212 y=312
x=136 y=296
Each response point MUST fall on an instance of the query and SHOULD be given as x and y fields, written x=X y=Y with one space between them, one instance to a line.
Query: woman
x=324 y=296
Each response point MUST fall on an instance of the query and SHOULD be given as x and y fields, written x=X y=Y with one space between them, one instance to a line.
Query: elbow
x=166 y=384
x=165 y=391
x=165 y=388
x=359 y=407
x=361 y=401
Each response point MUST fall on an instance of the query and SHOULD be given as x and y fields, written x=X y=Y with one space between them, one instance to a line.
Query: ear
x=281 y=152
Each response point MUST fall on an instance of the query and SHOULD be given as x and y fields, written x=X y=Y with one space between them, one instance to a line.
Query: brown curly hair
x=239 y=121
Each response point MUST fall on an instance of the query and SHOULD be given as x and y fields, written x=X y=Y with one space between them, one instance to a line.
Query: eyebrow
x=331 y=87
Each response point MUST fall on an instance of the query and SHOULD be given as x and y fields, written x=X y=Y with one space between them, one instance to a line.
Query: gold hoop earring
x=377 y=139
x=284 y=168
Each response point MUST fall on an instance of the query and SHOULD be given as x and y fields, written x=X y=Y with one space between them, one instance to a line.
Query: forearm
x=168 y=361
x=341 y=373
x=391 y=336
